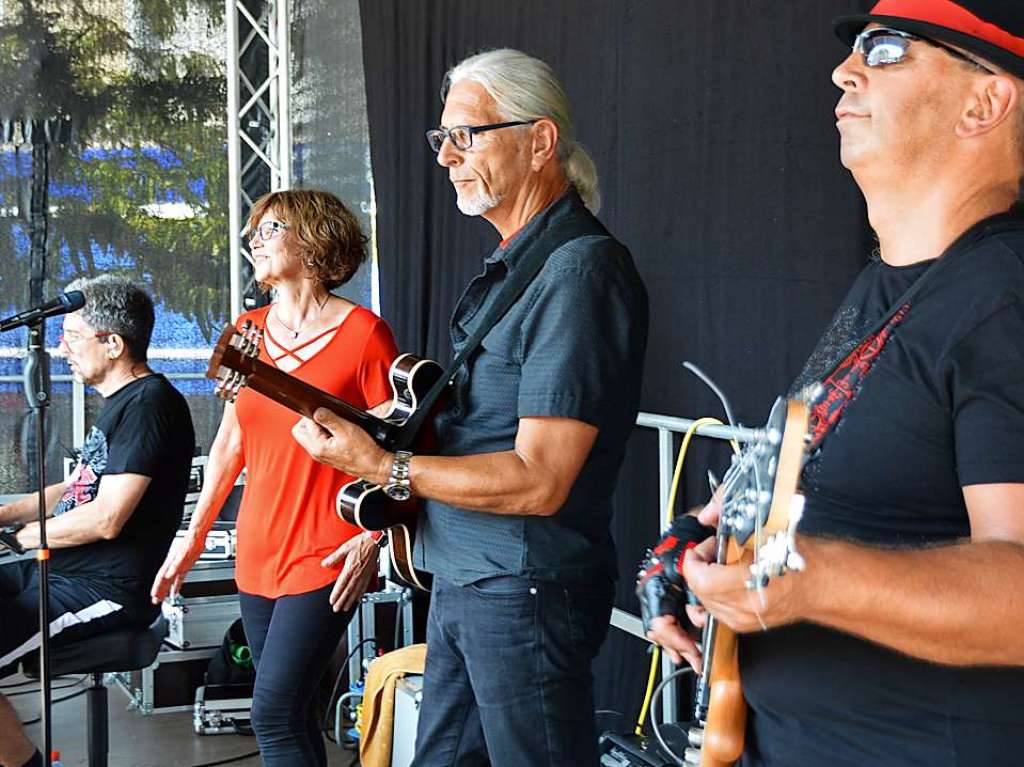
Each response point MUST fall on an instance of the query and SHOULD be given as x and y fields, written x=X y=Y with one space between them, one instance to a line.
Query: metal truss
x=259 y=123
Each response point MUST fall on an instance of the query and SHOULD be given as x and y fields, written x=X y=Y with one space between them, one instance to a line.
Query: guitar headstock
x=761 y=505
x=233 y=357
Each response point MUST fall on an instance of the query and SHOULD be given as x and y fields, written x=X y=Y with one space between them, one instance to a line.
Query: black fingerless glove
x=660 y=586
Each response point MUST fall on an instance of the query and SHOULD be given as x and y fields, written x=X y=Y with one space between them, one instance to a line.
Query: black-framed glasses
x=462 y=135
x=882 y=46
x=268 y=230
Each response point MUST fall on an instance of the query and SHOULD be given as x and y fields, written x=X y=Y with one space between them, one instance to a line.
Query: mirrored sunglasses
x=883 y=46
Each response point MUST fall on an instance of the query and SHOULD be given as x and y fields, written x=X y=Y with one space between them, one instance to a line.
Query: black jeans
x=80 y=608
x=292 y=639
x=508 y=678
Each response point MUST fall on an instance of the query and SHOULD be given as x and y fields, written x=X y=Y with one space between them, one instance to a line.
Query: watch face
x=397 y=492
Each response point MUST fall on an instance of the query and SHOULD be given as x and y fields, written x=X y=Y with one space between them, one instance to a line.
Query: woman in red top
x=297 y=586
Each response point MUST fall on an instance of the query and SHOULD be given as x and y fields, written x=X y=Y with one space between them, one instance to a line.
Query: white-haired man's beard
x=476 y=202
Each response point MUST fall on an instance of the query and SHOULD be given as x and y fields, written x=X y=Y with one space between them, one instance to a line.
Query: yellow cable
x=670 y=509
x=655 y=657
x=669 y=513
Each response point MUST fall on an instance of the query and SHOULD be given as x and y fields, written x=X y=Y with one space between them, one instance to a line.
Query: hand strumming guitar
x=339 y=443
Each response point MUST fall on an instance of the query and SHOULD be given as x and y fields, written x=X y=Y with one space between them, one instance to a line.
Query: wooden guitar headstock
x=761 y=505
x=232 y=359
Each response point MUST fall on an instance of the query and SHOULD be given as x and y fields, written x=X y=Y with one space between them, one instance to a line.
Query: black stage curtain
x=711 y=124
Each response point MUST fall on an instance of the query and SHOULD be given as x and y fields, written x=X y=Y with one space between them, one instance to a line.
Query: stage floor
x=158 y=740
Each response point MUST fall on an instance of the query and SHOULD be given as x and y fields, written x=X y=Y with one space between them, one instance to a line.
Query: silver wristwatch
x=398 y=486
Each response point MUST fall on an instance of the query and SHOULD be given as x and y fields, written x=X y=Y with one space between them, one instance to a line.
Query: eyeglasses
x=73 y=338
x=268 y=230
x=462 y=135
x=883 y=46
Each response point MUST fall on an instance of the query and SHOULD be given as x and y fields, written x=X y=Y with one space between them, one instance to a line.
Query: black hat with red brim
x=991 y=29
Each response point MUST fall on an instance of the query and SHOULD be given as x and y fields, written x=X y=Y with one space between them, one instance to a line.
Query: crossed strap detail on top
x=292 y=352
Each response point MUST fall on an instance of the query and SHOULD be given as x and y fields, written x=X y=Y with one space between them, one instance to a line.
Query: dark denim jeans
x=508 y=680
x=292 y=640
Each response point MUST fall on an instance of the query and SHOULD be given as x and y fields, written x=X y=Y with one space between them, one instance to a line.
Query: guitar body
x=234 y=364
x=365 y=504
x=721 y=707
x=411 y=378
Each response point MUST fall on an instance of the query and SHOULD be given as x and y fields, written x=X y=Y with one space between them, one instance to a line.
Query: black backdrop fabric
x=712 y=128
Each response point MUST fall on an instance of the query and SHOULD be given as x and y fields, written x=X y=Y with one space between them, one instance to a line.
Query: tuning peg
x=253 y=336
x=224 y=391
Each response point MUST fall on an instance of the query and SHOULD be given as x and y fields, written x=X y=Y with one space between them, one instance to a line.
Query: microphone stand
x=37 y=390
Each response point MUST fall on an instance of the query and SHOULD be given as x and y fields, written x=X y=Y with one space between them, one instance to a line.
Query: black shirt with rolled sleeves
x=941 y=408
x=572 y=346
x=145 y=428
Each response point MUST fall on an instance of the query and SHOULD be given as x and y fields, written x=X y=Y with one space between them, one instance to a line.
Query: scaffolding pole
x=259 y=139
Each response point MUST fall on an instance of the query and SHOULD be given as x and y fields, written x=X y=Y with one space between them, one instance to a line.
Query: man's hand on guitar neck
x=722 y=591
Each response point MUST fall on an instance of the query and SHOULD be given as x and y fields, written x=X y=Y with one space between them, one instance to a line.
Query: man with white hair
x=518 y=501
x=113 y=519
x=901 y=642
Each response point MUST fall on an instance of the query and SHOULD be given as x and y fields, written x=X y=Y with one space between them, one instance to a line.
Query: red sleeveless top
x=286 y=522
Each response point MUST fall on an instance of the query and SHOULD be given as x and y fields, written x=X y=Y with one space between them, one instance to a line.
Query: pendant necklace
x=304 y=325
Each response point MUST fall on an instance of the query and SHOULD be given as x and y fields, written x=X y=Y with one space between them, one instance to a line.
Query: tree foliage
x=147 y=116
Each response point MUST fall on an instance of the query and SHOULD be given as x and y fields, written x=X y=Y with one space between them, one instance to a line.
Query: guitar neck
x=305 y=398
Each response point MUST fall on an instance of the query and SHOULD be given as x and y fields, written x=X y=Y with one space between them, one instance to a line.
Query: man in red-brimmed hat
x=902 y=643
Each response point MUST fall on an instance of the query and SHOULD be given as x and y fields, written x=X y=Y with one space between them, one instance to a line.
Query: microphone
x=62 y=304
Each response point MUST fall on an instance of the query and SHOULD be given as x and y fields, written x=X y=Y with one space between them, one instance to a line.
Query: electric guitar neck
x=761 y=508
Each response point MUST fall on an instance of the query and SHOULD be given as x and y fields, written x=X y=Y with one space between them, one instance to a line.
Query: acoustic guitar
x=235 y=364
x=761 y=508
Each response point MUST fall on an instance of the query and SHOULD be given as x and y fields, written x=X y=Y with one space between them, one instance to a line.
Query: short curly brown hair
x=330 y=241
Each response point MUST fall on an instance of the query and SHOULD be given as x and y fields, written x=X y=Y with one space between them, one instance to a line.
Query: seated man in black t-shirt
x=112 y=521
x=901 y=642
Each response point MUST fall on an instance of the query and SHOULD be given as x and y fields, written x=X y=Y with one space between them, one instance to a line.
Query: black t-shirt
x=941 y=407
x=145 y=428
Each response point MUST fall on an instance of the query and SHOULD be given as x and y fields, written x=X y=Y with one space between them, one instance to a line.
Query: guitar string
x=747 y=465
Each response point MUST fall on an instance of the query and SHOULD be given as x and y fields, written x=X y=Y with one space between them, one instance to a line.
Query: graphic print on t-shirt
x=85 y=479
x=843 y=383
